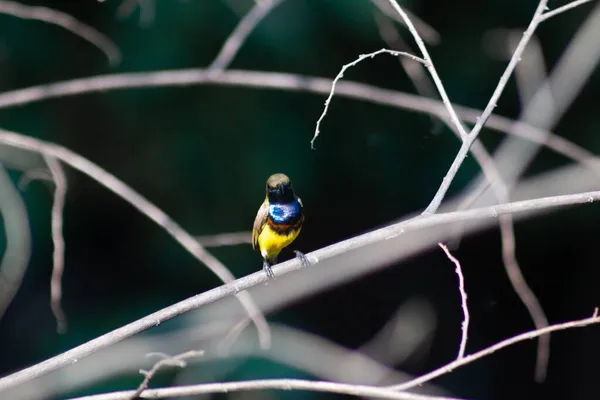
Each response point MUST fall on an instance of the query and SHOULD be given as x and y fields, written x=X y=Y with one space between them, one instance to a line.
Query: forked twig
x=166 y=361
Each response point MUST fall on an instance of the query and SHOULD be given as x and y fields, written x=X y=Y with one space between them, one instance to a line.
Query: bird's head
x=279 y=189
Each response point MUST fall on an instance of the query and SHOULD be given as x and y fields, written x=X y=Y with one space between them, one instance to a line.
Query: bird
x=278 y=222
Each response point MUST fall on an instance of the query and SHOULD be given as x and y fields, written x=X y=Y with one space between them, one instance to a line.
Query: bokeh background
x=202 y=153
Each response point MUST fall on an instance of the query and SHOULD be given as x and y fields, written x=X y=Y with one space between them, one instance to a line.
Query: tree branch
x=315 y=257
x=67 y=22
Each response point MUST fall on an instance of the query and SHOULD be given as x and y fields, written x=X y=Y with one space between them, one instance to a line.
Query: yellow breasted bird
x=278 y=221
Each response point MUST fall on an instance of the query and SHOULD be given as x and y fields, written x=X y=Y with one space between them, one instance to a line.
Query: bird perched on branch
x=278 y=221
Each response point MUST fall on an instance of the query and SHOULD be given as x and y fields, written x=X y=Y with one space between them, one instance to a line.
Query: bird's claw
x=303 y=258
x=268 y=270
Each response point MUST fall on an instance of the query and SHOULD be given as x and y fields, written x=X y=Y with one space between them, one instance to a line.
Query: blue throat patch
x=287 y=213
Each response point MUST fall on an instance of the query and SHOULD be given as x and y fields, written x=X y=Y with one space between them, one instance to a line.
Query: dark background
x=202 y=154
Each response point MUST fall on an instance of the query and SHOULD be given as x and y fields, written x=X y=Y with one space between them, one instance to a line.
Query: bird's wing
x=259 y=223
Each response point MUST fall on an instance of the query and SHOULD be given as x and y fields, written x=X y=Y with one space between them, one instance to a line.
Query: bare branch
x=273 y=384
x=166 y=361
x=341 y=74
x=377 y=236
x=67 y=22
x=463 y=297
x=594 y=319
x=284 y=81
x=241 y=32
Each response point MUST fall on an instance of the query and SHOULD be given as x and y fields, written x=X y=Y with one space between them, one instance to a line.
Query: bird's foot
x=303 y=258
x=267 y=269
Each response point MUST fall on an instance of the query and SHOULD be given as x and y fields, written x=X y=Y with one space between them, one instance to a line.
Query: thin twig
x=463 y=297
x=166 y=361
x=341 y=74
x=65 y=21
x=145 y=207
x=241 y=32
x=594 y=319
x=377 y=236
x=268 y=384
x=58 y=257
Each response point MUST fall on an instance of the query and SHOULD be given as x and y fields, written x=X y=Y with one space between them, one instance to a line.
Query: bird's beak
x=281 y=189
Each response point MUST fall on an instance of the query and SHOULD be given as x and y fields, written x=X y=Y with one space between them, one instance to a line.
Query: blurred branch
x=239 y=35
x=594 y=319
x=291 y=347
x=34 y=174
x=292 y=82
x=65 y=21
x=18 y=240
x=531 y=72
x=341 y=74
x=145 y=207
x=414 y=70
x=146 y=7
x=265 y=384
x=60 y=191
x=377 y=236
x=225 y=239
x=526 y=295
x=463 y=297
x=407 y=333
x=427 y=32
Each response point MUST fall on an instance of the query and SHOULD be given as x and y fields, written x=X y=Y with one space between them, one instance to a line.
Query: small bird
x=278 y=221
